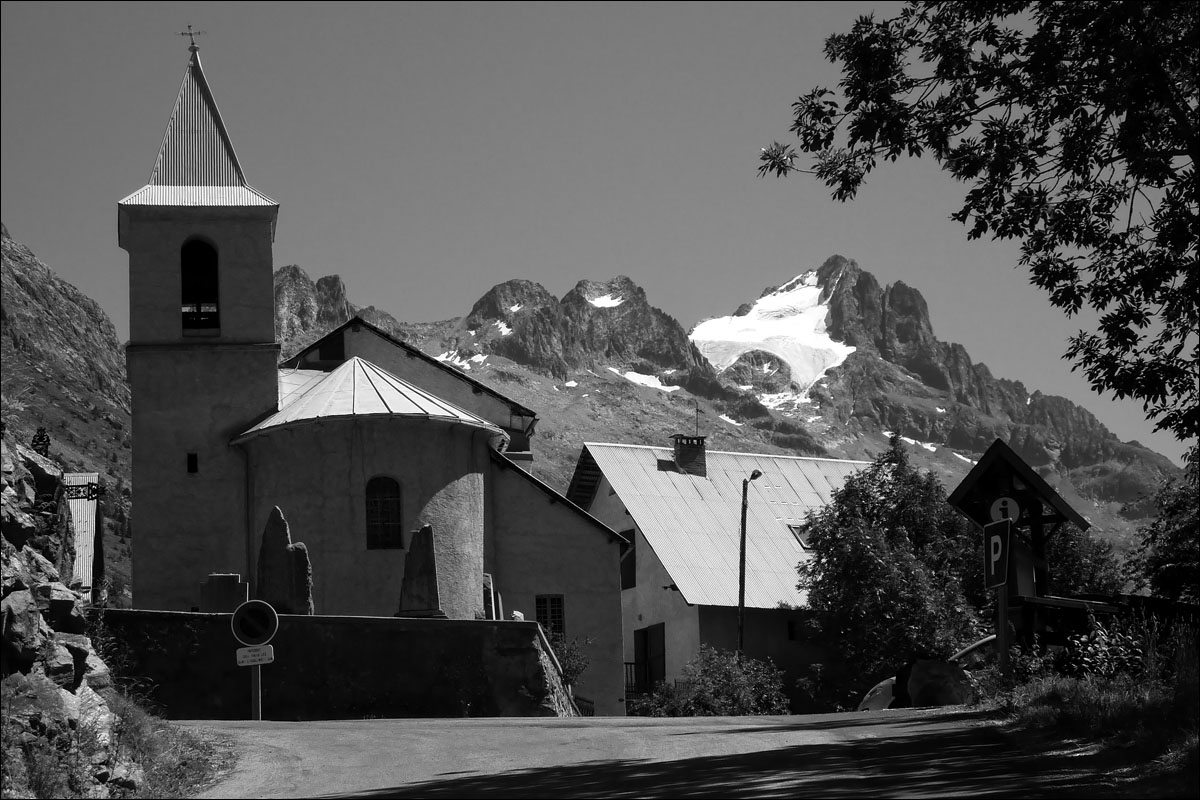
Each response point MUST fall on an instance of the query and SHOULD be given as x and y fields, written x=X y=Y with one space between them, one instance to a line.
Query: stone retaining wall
x=343 y=667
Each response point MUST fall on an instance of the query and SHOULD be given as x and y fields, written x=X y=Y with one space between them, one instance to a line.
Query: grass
x=1145 y=721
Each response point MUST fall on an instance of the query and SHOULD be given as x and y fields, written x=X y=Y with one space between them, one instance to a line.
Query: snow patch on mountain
x=788 y=323
x=783 y=399
x=731 y=421
x=644 y=380
x=930 y=447
x=607 y=301
x=452 y=357
x=503 y=328
x=515 y=309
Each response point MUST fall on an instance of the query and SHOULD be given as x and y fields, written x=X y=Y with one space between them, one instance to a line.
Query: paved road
x=912 y=753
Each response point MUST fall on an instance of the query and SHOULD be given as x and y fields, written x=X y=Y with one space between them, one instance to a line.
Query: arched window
x=198 y=281
x=383 y=514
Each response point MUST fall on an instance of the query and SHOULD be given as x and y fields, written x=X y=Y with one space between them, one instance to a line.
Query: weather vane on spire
x=191 y=34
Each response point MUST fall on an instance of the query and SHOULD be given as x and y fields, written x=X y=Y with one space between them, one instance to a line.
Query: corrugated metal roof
x=196 y=164
x=357 y=388
x=82 y=491
x=693 y=523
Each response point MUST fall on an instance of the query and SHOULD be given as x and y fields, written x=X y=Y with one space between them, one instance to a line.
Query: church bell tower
x=202 y=357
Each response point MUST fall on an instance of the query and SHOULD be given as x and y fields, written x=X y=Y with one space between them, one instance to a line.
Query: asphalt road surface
x=908 y=753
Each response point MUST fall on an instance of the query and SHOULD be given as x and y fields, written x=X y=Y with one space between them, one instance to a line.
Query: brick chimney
x=689 y=454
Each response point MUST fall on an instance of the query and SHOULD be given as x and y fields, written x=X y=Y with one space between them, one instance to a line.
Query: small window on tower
x=193 y=462
x=198 y=286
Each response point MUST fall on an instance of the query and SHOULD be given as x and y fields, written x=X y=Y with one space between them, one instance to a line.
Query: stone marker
x=419 y=594
x=284 y=571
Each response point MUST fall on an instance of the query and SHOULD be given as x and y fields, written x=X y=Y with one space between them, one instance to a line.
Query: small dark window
x=549 y=611
x=801 y=534
x=193 y=462
x=383 y=515
x=629 y=560
x=198 y=286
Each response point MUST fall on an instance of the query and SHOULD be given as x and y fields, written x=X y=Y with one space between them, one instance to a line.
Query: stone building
x=360 y=440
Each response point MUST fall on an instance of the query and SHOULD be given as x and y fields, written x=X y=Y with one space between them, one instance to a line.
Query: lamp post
x=742 y=563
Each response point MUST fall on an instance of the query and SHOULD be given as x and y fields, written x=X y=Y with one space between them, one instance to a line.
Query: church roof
x=196 y=164
x=357 y=388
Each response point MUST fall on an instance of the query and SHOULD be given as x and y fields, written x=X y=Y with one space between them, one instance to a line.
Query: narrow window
x=193 y=462
x=198 y=286
x=383 y=514
x=549 y=611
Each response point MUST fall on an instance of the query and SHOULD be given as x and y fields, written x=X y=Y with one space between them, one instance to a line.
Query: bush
x=719 y=683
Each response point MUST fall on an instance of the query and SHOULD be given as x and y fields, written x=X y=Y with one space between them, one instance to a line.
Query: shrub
x=719 y=683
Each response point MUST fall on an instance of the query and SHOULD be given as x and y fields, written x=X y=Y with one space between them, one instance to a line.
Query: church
x=360 y=440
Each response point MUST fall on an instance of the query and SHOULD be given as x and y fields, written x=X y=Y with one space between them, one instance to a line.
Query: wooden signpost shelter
x=1000 y=488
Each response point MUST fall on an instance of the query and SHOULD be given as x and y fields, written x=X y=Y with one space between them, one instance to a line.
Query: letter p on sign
x=995 y=552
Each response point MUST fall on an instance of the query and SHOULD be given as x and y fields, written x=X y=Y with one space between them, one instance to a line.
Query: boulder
x=60 y=606
x=25 y=633
x=930 y=682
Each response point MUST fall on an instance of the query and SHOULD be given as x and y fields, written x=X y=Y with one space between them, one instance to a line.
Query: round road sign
x=254 y=622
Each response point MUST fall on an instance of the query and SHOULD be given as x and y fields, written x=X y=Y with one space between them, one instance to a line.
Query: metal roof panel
x=693 y=523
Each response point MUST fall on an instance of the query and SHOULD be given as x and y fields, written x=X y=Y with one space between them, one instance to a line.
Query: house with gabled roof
x=680 y=508
x=360 y=440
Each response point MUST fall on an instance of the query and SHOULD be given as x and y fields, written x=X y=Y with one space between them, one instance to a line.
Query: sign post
x=254 y=624
x=997 y=537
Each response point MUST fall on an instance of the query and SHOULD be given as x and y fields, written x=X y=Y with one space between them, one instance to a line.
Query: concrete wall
x=242 y=238
x=342 y=667
x=191 y=399
x=540 y=546
x=317 y=474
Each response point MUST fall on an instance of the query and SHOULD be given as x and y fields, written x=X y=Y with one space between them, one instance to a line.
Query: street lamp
x=742 y=563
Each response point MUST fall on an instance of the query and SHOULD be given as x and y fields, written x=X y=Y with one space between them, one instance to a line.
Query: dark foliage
x=1168 y=557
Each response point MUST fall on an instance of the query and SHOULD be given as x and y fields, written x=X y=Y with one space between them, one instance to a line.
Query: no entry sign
x=254 y=622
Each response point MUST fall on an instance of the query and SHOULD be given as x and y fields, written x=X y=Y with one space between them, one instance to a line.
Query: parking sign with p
x=995 y=552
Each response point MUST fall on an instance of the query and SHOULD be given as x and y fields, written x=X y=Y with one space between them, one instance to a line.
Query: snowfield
x=607 y=301
x=643 y=380
x=789 y=324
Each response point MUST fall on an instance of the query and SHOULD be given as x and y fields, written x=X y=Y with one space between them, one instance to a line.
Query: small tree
x=570 y=656
x=895 y=573
x=1168 y=557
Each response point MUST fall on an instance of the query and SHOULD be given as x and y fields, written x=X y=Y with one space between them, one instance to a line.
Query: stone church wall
x=317 y=474
x=342 y=667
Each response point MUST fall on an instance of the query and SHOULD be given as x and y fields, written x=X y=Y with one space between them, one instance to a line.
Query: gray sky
x=426 y=152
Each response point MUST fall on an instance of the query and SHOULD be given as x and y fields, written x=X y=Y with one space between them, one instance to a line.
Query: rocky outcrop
x=595 y=324
x=55 y=685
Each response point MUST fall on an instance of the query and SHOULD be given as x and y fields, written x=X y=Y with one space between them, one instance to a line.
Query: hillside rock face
x=901 y=378
x=306 y=310
x=64 y=370
x=53 y=680
x=595 y=324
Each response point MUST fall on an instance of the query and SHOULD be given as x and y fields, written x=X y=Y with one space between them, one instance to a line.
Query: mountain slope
x=63 y=369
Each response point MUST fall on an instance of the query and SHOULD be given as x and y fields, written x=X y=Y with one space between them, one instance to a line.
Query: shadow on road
x=980 y=761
